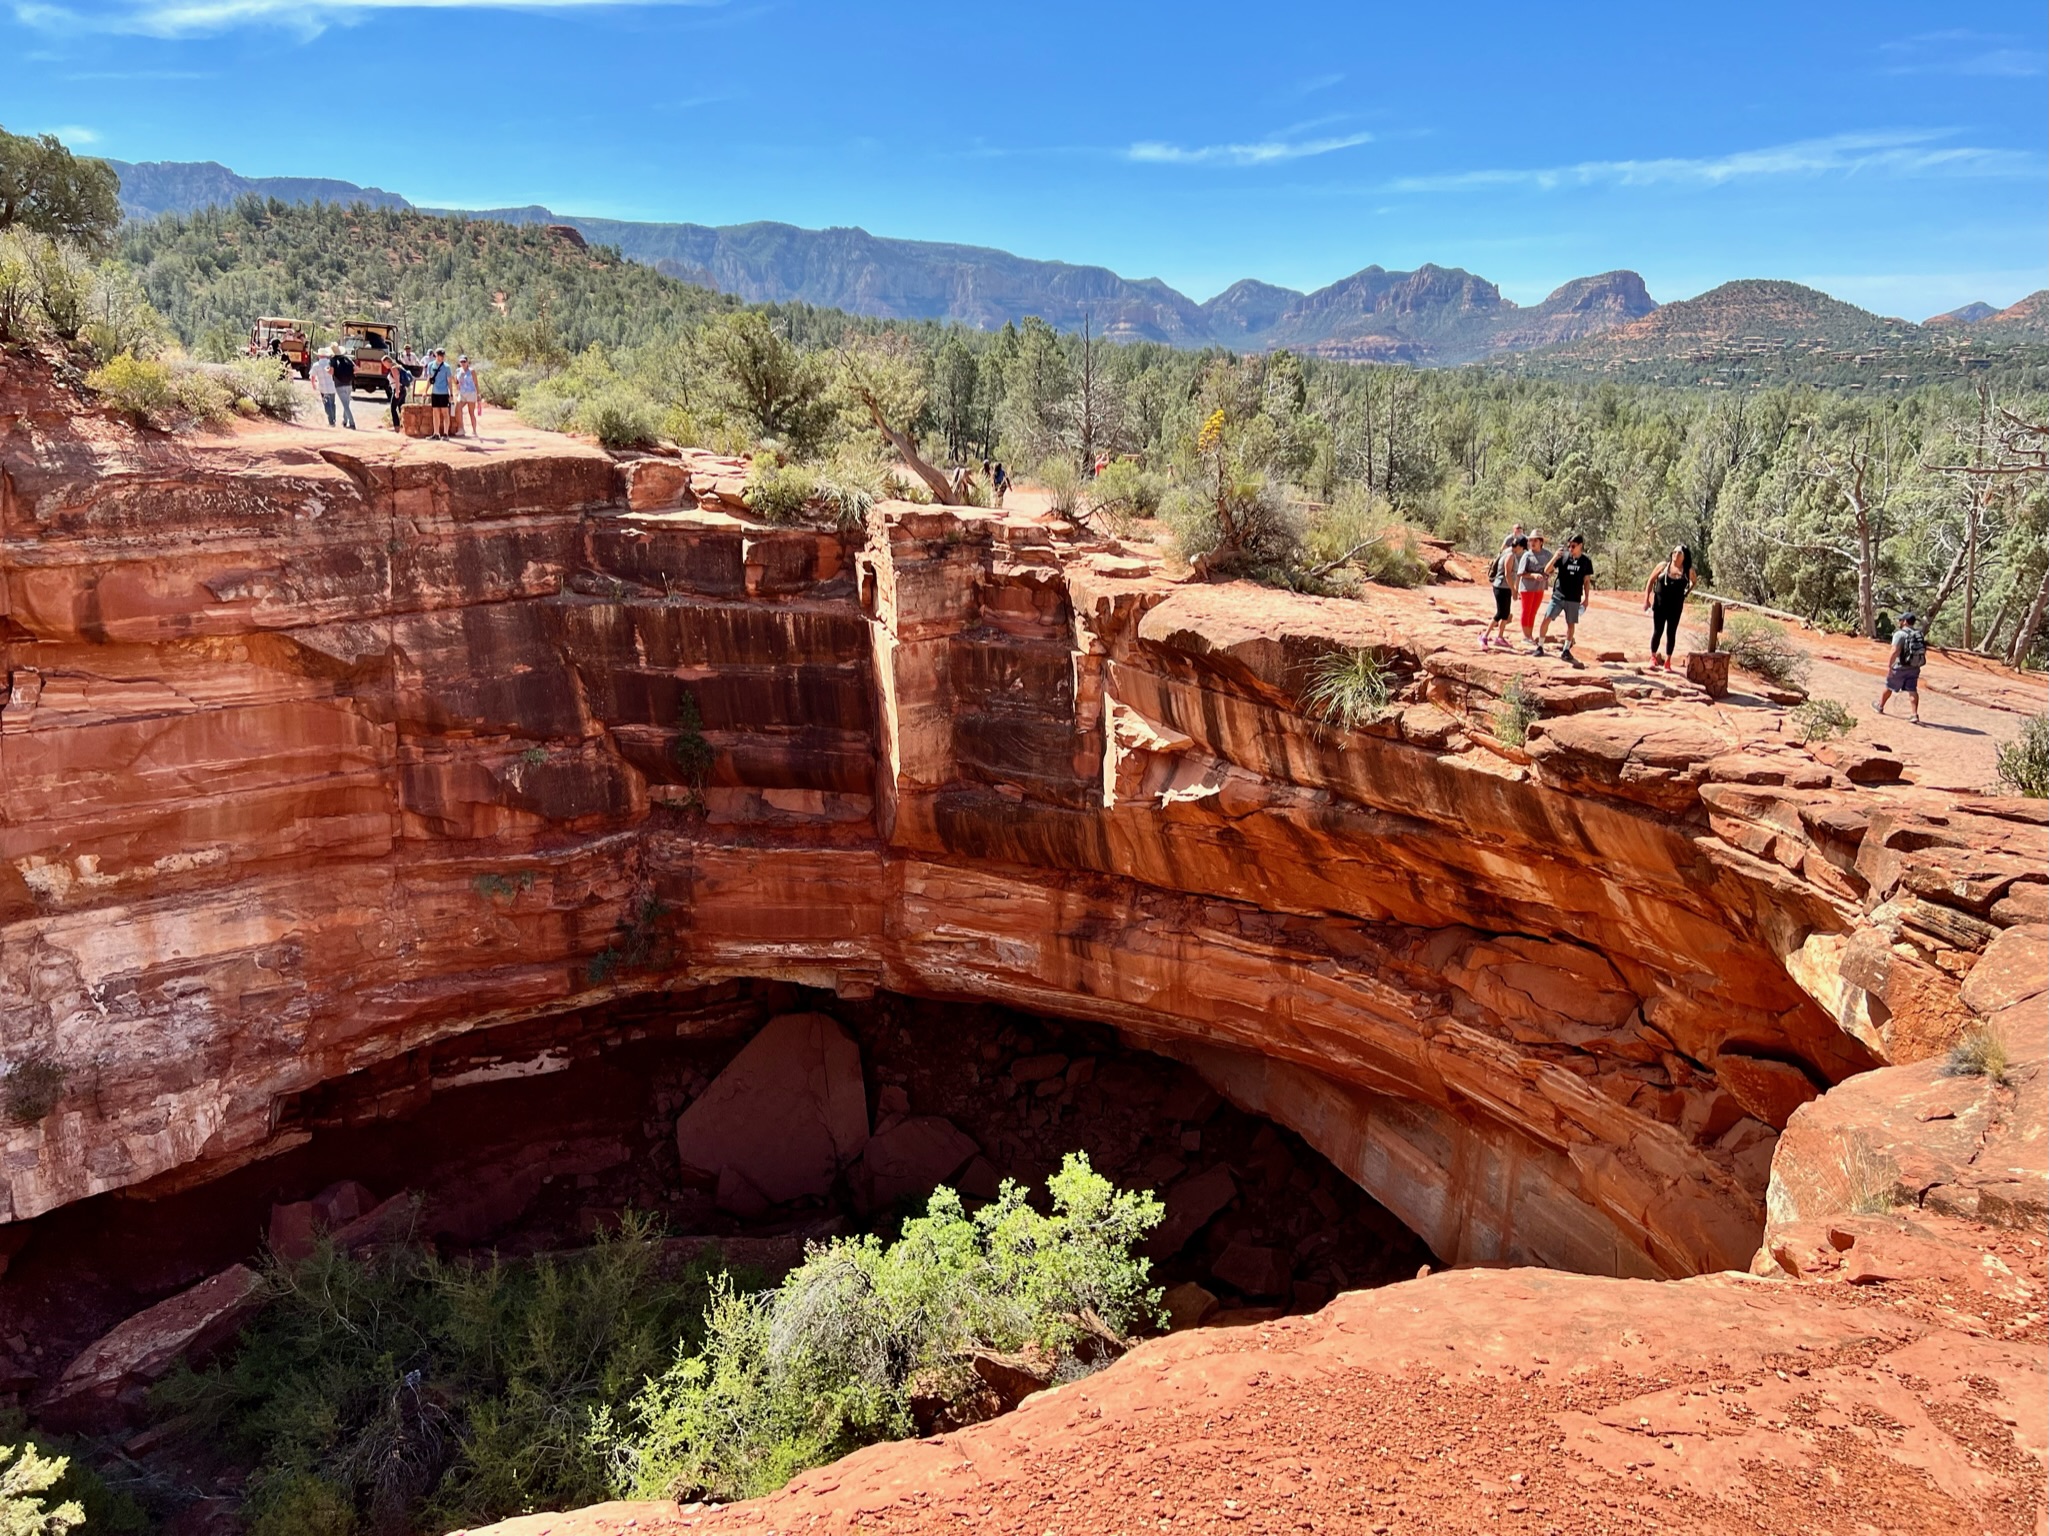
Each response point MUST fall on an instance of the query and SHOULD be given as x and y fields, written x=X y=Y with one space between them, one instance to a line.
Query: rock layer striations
x=320 y=748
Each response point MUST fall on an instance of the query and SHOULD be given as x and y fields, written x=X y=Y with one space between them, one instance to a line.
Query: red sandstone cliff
x=319 y=747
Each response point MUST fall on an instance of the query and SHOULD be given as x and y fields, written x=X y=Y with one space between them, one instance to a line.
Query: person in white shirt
x=322 y=375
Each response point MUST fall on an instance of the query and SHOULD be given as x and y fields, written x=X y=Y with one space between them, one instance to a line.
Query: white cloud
x=1262 y=152
x=1962 y=52
x=1909 y=152
x=183 y=18
x=72 y=133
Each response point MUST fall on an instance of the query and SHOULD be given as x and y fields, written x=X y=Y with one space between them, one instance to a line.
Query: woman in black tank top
x=1664 y=598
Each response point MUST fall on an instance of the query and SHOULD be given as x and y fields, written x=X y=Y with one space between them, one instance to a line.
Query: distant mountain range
x=1760 y=330
x=1433 y=316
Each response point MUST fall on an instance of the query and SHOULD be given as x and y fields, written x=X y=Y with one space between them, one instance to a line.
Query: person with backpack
x=1572 y=588
x=1501 y=577
x=1903 y=666
x=1664 y=599
x=344 y=370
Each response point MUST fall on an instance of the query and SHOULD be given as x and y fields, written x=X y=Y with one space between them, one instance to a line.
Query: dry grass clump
x=1981 y=1053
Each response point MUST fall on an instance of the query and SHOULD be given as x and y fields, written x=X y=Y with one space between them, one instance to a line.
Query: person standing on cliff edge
x=1501 y=576
x=1532 y=571
x=1572 y=589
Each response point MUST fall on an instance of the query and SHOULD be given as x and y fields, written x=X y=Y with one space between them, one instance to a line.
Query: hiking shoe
x=1537 y=649
x=1879 y=706
x=1565 y=653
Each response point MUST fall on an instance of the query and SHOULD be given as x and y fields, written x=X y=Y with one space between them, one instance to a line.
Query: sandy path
x=1969 y=706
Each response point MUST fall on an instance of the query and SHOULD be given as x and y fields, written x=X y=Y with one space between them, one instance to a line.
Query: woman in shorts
x=468 y=397
x=1501 y=576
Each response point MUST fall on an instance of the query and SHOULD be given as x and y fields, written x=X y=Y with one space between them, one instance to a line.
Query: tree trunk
x=1943 y=591
x=1973 y=520
x=2025 y=636
x=940 y=487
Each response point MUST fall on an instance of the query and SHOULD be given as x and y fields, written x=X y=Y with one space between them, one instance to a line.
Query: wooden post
x=1714 y=639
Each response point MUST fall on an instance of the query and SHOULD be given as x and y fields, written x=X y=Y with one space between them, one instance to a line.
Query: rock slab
x=786 y=1115
x=144 y=1347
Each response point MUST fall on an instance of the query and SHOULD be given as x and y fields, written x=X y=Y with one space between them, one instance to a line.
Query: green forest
x=1839 y=506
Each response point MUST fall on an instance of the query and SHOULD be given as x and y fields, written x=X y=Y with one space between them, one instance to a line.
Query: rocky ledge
x=319 y=750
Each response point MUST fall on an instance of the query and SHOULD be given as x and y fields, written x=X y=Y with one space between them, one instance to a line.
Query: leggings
x=1665 y=623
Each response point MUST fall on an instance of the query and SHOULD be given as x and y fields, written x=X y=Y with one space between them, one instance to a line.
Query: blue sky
x=1881 y=151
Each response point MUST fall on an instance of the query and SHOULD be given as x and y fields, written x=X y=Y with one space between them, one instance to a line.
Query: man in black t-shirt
x=1572 y=588
x=344 y=370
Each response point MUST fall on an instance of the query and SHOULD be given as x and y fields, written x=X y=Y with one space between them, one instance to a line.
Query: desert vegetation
x=1844 y=508
x=863 y=1334
x=400 y=1391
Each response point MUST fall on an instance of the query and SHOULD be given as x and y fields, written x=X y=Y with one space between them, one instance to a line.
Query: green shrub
x=619 y=416
x=1061 y=481
x=1759 y=645
x=19 y=313
x=1516 y=712
x=33 y=1087
x=1822 y=720
x=2023 y=763
x=63 y=281
x=1245 y=528
x=543 y=406
x=1396 y=560
x=265 y=385
x=175 y=394
x=1348 y=689
x=828 y=1361
x=139 y=386
x=1358 y=530
x=777 y=492
x=410 y=1392
x=25 y=1476
x=1981 y=1053
x=1124 y=489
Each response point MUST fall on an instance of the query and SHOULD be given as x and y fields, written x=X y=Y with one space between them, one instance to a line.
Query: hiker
x=440 y=390
x=344 y=370
x=1572 y=589
x=468 y=397
x=1532 y=571
x=398 y=384
x=999 y=481
x=322 y=375
x=1664 y=599
x=1501 y=576
x=1903 y=666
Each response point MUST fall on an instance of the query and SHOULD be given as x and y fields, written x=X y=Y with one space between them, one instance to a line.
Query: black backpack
x=1913 y=649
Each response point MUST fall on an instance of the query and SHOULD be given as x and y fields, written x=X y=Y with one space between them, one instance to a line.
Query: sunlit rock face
x=317 y=750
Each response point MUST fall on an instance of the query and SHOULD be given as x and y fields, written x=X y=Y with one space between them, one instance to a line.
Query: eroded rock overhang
x=312 y=757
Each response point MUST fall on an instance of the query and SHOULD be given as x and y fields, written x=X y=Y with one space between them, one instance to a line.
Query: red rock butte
x=320 y=748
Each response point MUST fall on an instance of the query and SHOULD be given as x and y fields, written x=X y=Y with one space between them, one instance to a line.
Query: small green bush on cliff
x=1348 y=689
x=1759 y=645
x=831 y=1359
x=2023 y=763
